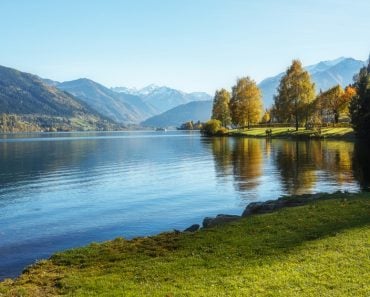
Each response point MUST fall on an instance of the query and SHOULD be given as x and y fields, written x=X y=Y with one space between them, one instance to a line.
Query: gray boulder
x=192 y=228
x=209 y=222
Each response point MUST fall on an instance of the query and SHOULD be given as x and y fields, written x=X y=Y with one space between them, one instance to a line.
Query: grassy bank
x=320 y=249
x=335 y=133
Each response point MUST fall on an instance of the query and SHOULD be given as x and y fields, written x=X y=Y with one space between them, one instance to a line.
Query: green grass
x=320 y=249
x=290 y=132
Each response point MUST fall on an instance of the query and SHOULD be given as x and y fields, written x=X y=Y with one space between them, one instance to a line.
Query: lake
x=65 y=190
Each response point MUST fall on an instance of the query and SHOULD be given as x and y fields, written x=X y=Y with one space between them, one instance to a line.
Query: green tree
x=296 y=93
x=360 y=104
x=221 y=110
x=246 y=103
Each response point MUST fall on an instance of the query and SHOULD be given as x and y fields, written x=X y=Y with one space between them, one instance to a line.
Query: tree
x=246 y=103
x=333 y=101
x=296 y=92
x=360 y=103
x=221 y=110
x=187 y=126
x=212 y=127
x=266 y=118
x=318 y=109
x=349 y=93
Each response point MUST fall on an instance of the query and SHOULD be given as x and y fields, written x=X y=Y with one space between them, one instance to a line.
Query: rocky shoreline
x=255 y=208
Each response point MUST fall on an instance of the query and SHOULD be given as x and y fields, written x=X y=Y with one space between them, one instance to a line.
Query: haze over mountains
x=93 y=104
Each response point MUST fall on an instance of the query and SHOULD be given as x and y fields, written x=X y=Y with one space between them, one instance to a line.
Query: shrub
x=213 y=127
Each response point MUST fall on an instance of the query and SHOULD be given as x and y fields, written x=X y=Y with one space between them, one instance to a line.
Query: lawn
x=290 y=132
x=320 y=249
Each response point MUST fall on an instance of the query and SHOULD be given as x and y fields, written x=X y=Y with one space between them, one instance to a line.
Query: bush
x=212 y=127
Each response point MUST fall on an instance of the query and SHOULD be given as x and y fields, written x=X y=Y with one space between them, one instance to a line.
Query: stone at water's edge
x=272 y=205
x=219 y=219
x=262 y=207
x=192 y=228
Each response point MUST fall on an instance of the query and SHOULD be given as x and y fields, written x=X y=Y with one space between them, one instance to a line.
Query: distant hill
x=325 y=74
x=164 y=98
x=193 y=111
x=26 y=95
x=119 y=107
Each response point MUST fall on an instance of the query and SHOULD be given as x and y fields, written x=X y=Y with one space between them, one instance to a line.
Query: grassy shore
x=335 y=133
x=320 y=249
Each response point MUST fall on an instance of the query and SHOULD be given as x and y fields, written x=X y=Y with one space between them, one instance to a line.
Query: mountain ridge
x=26 y=95
x=120 y=107
x=192 y=111
x=164 y=98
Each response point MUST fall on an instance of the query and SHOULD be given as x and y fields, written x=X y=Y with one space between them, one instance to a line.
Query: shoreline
x=330 y=133
x=254 y=210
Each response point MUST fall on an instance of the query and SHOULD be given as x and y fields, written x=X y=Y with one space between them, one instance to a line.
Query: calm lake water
x=65 y=190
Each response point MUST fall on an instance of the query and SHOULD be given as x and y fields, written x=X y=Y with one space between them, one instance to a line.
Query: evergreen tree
x=246 y=103
x=360 y=104
x=221 y=110
x=295 y=95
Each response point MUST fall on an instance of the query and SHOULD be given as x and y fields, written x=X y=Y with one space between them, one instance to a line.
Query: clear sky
x=193 y=45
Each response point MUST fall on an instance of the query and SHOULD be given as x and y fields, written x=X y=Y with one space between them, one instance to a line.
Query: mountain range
x=192 y=111
x=119 y=107
x=164 y=98
x=84 y=104
x=44 y=106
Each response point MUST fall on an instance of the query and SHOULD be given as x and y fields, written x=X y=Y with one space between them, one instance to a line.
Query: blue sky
x=193 y=45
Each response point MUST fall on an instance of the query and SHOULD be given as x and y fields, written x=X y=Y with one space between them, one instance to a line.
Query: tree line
x=296 y=103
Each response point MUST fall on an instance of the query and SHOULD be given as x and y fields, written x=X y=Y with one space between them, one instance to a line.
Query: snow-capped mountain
x=163 y=98
x=135 y=91
x=325 y=74
x=131 y=91
x=119 y=107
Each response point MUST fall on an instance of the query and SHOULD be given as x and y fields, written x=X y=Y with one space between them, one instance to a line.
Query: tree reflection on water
x=297 y=166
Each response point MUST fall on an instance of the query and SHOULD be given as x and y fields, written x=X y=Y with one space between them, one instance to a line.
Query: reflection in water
x=21 y=161
x=298 y=166
x=242 y=159
x=221 y=149
x=361 y=164
x=247 y=160
x=64 y=190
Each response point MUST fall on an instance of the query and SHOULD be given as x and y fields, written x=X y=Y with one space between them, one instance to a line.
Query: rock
x=272 y=205
x=192 y=228
x=209 y=222
x=262 y=207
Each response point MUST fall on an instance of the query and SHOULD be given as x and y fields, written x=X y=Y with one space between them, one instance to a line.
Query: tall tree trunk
x=336 y=117
x=296 y=114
